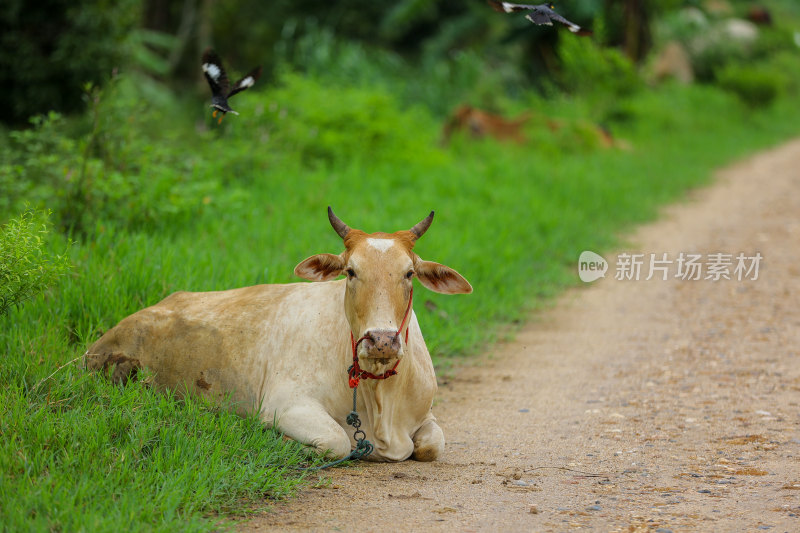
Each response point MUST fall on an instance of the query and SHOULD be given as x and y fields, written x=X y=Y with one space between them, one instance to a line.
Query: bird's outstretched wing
x=574 y=28
x=215 y=73
x=508 y=7
x=246 y=82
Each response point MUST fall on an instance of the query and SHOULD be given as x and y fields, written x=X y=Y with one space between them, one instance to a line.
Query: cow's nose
x=382 y=343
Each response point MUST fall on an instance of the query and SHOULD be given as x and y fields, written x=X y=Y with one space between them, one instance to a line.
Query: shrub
x=755 y=86
x=320 y=123
x=120 y=166
x=590 y=68
x=26 y=269
x=33 y=162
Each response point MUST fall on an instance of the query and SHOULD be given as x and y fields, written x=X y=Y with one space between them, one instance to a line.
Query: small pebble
x=594 y=508
x=519 y=483
x=704 y=491
x=524 y=410
x=663 y=530
x=534 y=510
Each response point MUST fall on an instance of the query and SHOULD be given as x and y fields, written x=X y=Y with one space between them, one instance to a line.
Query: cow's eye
x=409 y=274
x=351 y=273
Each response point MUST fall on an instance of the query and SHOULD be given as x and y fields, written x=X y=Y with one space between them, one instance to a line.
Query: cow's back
x=218 y=344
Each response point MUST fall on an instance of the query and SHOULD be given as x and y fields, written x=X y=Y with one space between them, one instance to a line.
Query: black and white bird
x=221 y=88
x=542 y=14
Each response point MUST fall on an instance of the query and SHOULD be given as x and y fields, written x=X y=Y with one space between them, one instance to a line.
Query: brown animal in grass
x=481 y=124
x=759 y=15
x=587 y=132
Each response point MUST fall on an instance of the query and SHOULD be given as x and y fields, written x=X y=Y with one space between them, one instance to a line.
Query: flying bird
x=220 y=85
x=542 y=14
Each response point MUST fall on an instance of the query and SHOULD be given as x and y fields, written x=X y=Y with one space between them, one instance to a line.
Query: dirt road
x=632 y=405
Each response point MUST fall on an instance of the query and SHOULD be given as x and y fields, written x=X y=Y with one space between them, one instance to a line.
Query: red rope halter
x=356 y=373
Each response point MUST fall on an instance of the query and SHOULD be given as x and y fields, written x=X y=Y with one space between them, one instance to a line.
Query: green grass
x=244 y=203
x=97 y=458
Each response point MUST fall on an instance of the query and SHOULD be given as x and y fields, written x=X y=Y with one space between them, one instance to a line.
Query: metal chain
x=363 y=446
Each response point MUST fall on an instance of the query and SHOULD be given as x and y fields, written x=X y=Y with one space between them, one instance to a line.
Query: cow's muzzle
x=381 y=344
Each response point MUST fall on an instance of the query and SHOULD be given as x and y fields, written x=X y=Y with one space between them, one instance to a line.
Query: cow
x=293 y=353
x=482 y=124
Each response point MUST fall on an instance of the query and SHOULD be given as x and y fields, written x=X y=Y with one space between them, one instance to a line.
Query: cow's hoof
x=428 y=442
x=117 y=366
x=427 y=453
x=334 y=450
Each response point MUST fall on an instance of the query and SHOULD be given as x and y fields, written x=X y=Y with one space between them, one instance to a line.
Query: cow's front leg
x=428 y=441
x=311 y=425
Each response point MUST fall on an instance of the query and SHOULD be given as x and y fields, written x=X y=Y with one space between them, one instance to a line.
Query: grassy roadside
x=248 y=203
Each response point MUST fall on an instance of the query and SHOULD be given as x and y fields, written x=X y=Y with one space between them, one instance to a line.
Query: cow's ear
x=320 y=267
x=441 y=278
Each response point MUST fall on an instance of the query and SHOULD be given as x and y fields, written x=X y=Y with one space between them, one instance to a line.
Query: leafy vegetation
x=157 y=198
x=756 y=87
x=25 y=268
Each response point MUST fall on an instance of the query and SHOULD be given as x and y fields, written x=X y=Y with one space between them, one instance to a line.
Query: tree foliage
x=51 y=48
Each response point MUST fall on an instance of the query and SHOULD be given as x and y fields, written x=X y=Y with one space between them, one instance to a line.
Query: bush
x=323 y=124
x=36 y=164
x=26 y=269
x=755 y=86
x=590 y=68
x=121 y=166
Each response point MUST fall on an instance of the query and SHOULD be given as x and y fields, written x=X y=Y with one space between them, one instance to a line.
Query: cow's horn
x=422 y=226
x=341 y=228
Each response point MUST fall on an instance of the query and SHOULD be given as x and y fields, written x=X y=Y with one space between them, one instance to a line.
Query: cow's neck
x=382 y=401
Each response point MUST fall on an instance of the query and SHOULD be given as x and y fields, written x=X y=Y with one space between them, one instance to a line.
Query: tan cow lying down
x=283 y=351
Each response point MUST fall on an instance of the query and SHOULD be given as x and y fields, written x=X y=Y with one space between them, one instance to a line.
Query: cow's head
x=380 y=268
